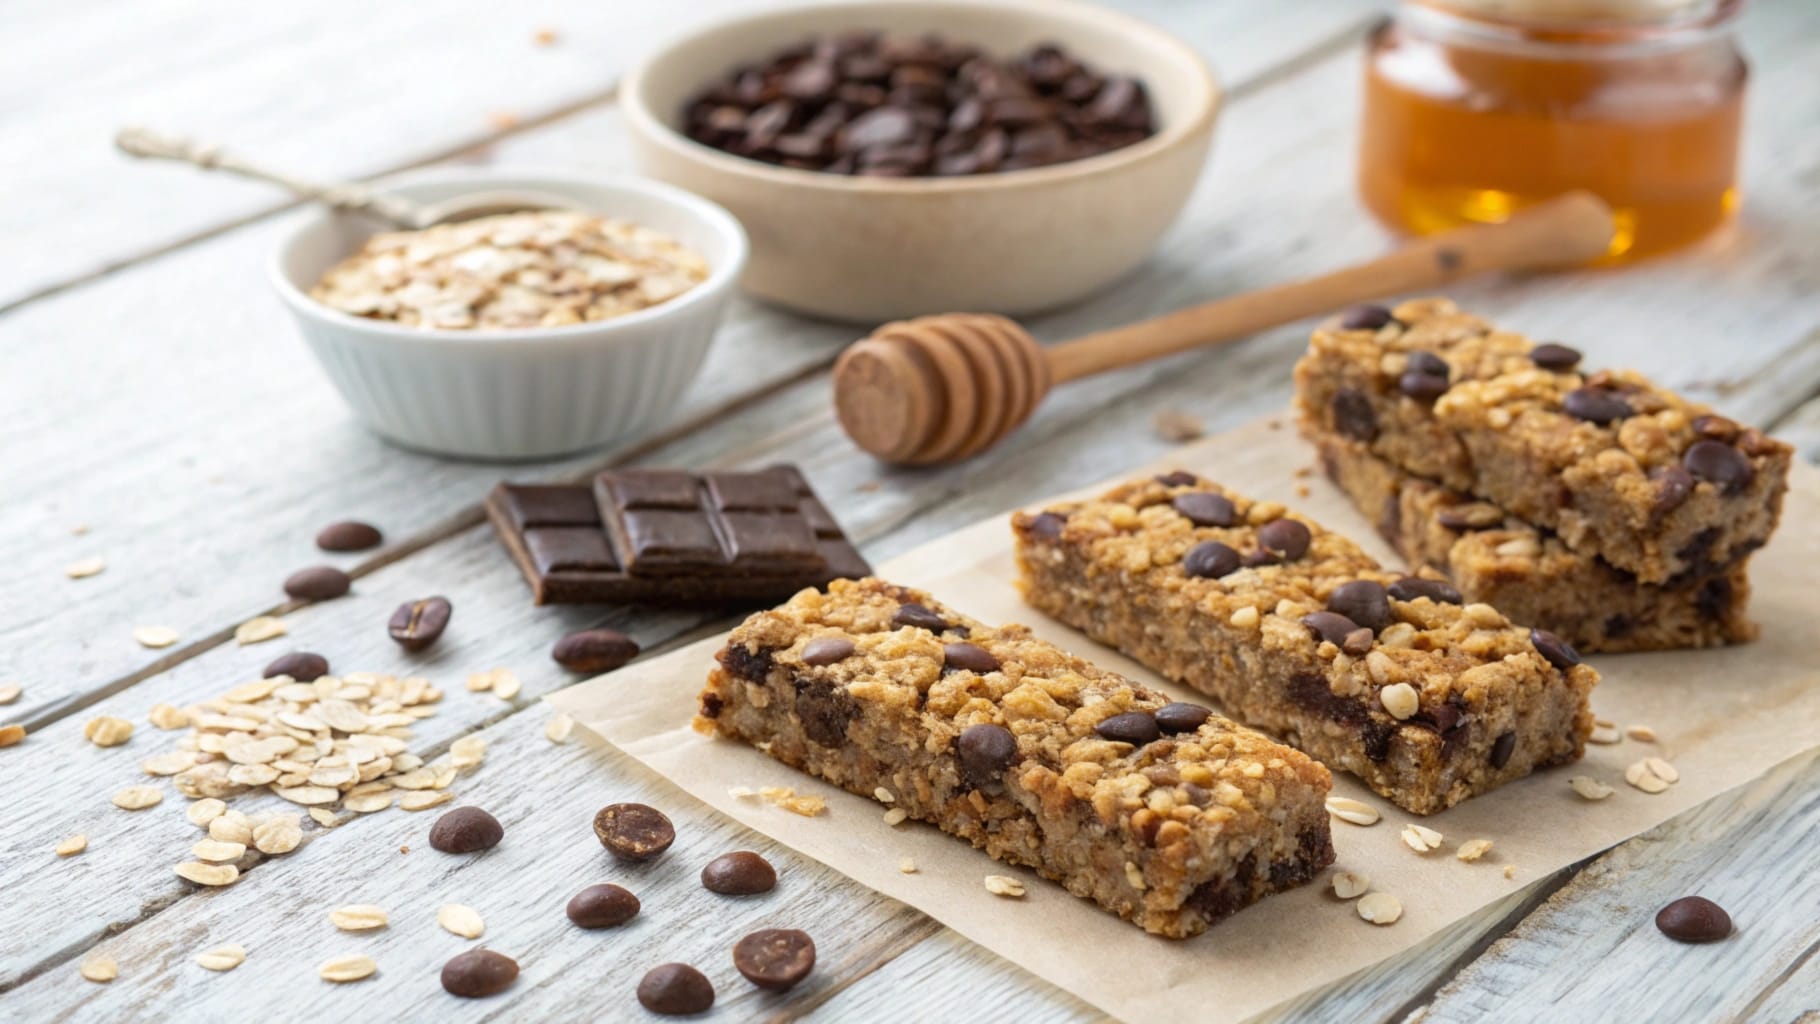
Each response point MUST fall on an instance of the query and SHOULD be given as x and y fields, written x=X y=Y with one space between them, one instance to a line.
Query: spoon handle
x=143 y=143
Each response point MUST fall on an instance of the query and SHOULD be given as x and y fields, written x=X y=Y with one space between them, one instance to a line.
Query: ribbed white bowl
x=517 y=394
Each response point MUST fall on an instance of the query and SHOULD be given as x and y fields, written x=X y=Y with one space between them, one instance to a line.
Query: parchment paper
x=1723 y=718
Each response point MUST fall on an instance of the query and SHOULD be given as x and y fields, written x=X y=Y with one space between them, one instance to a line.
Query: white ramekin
x=518 y=394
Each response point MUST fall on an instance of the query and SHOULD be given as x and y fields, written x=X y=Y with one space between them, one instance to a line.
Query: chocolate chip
x=594 y=650
x=1694 y=919
x=775 y=958
x=1554 y=650
x=1422 y=387
x=1358 y=642
x=317 y=583
x=1134 y=727
x=1210 y=560
x=741 y=873
x=919 y=617
x=349 y=536
x=1410 y=588
x=1180 y=716
x=1179 y=478
x=1048 y=526
x=466 y=830
x=1204 y=508
x=633 y=832
x=675 y=990
x=1364 y=602
x=1365 y=317
x=1550 y=356
x=1330 y=626
x=1718 y=463
x=1428 y=364
x=418 y=624
x=1354 y=416
x=1673 y=486
x=1502 y=748
x=478 y=973
x=985 y=751
x=968 y=658
x=1287 y=539
x=826 y=650
x=302 y=666
x=1716 y=427
x=1595 y=405
x=602 y=906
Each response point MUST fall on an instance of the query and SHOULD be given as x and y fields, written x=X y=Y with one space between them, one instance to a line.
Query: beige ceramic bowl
x=871 y=249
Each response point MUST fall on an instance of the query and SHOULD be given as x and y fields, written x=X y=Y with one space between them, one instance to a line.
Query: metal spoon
x=404 y=213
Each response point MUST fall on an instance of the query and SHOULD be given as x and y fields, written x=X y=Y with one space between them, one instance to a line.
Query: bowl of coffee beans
x=903 y=157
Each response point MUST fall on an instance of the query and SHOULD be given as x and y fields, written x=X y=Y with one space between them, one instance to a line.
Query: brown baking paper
x=1722 y=718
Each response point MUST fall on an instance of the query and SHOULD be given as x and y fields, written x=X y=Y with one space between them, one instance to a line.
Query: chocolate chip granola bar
x=1528 y=573
x=1162 y=812
x=1426 y=698
x=1615 y=466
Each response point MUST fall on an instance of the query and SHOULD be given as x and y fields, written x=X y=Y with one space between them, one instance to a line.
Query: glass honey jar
x=1475 y=108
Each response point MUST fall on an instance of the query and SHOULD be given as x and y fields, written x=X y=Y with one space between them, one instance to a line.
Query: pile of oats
x=543 y=268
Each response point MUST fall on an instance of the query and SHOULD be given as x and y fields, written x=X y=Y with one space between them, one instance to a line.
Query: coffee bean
x=1694 y=919
x=775 y=958
x=985 y=751
x=1502 y=748
x=1554 y=650
x=826 y=650
x=964 y=657
x=1595 y=405
x=675 y=990
x=1048 y=526
x=1330 y=626
x=1364 y=602
x=317 y=583
x=1718 y=463
x=1287 y=539
x=594 y=650
x=478 y=973
x=466 y=830
x=418 y=624
x=1673 y=487
x=1210 y=560
x=741 y=873
x=917 y=616
x=1410 y=588
x=633 y=832
x=1178 y=478
x=1550 y=356
x=1204 y=508
x=1134 y=727
x=1365 y=317
x=1421 y=386
x=602 y=906
x=1179 y=716
x=349 y=536
x=1354 y=416
x=301 y=666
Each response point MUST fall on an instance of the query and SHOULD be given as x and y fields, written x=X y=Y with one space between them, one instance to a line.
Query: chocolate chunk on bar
x=668 y=537
x=1425 y=697
x=1163 y=813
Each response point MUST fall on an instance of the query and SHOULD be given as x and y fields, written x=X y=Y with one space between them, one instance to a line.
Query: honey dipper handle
x=1568 y=230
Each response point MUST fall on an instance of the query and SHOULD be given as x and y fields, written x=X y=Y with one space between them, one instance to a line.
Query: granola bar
x=1427 y=699
x=1162 y=812
x=1616 y=467
x=1528 y=573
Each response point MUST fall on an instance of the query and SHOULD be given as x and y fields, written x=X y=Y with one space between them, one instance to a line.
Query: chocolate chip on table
x=350 y=535
x=775 y=958
x=1134 y=727
x=1410 y=588
x=1559 y=358
x=1210 y=560
x=1048 y=526
x=826 y=650
x=603 y=906
x=1180 y=716
x=1694 y=919
x=917 y=616
x=1365 y=317
x=1204 y=508
x=675 y=990
x=1364 y=602
x=967 y=657
x=1502 y=748
x=418 y=624
x=1554 y=650
x=1287 y=539
x=985 y=751
x=633 y=832
x=301 y=666
x=594 y=650
x=1353 y=415
x=1595 y=405
x=466 y=830
x=478 y=973
x=1718 y=463
x=317 y=583
x=740 y=873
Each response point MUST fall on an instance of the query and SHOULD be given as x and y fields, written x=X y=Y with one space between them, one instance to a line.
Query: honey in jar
x=1476 y=108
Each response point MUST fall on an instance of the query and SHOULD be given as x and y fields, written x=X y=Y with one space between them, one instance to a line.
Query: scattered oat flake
x=807 y=806
x=1661 y=769
x=1178 y=427
x=1421 y=838
x=896 y=816
x=1642 y=775
x=424 y=799
x=360 y=917
x=545 y=37
x=10 y=692
x=155 y=637
x=502 y=120
x=347 y=968
x=73 y=845
x=1380 y=908
x=84 y=568
x=480 y=682
x=216 y=851
x=166 y=716
x=1641 y=733
x=742 y=792
x=107 y=731
x=1590 y=788
x=559 y=728
x=462 y=921
x=1510 y=871
x=208 y=874
x=1473 y=849
x=907 y=866
x=138 y=798
x=883 y=795
x=1004 y=885
x=324 y=817
x=506 y=684
x=1350 y=884
x=173 y=763
x=1355 y=811
x=101 y=969
x=222 y=958
x=1604 y=733
x=259 y=630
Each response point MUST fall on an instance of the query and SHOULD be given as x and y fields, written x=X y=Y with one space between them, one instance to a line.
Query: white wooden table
x=155 y=393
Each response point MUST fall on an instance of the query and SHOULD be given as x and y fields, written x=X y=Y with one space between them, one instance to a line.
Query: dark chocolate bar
x=658 y=536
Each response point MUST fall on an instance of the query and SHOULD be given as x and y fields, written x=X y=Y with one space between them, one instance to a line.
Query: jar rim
x=1650 y=27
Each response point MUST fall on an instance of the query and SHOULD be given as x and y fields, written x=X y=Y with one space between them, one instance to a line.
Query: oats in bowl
x=541 y=268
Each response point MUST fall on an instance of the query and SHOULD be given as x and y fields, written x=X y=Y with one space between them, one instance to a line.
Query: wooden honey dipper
x=946 y=387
